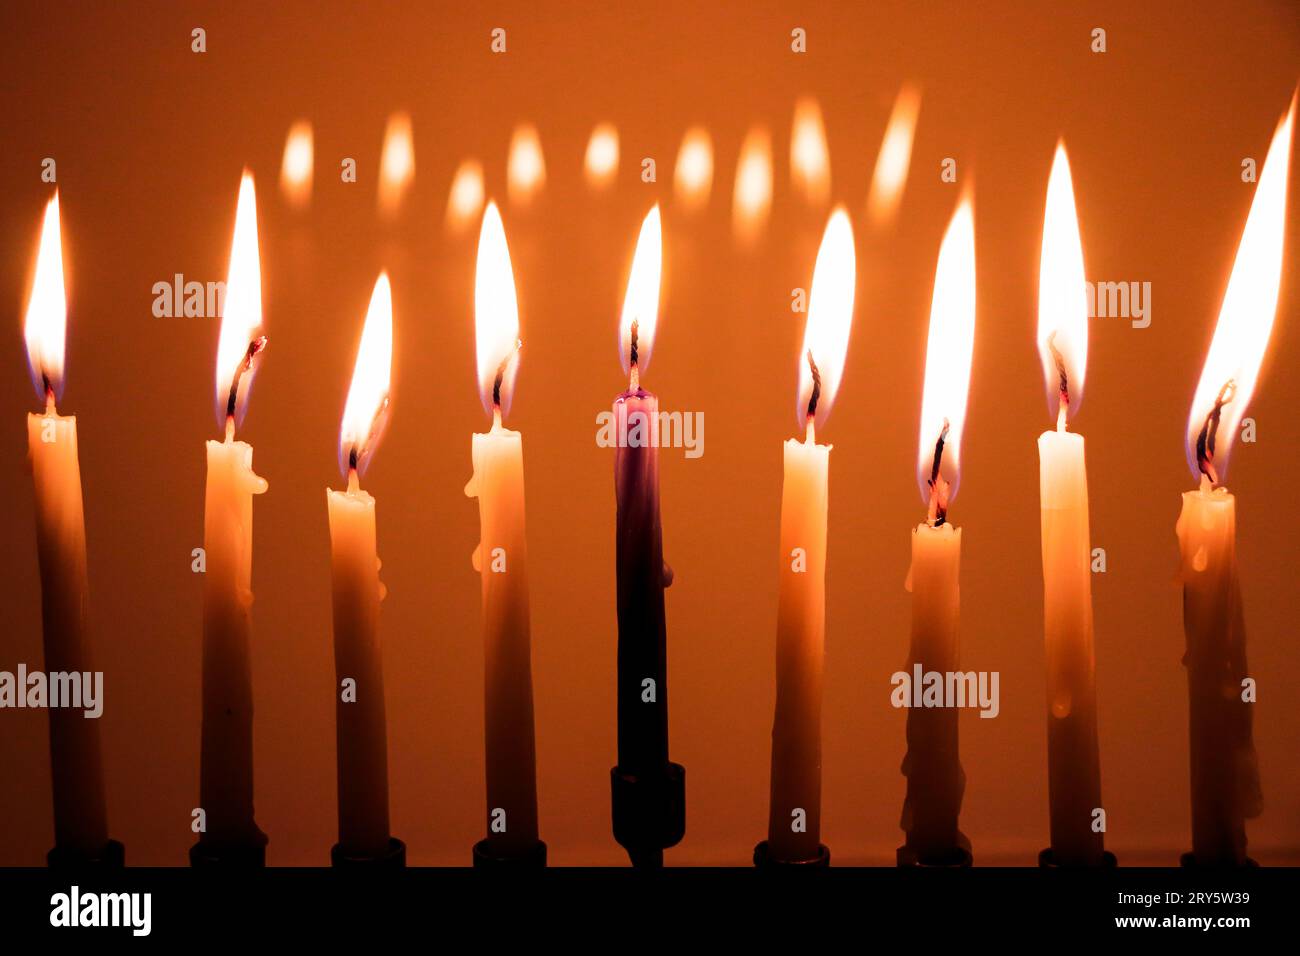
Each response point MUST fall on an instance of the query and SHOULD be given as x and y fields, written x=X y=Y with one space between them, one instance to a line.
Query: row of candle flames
x=1221 y=397
x=1227 y=382
x=693 y=171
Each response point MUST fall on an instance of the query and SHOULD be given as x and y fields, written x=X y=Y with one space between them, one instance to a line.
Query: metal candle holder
x=764 y=860
x=111 y=857
x=534 y=857
x=230 y=856
x=392 y=858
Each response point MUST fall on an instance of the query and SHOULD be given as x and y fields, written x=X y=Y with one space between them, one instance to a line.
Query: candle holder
x=231 y=856
x=1048 y=862
x=959 y=857
x=649 y=812
x=393 y=858
x=1188 y=861
x=111 y=857
x=534 y=857
x=764 y=860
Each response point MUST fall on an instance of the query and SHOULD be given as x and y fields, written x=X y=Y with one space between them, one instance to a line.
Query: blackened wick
x=254 y=347
x=941 y=511
x=1205 y=440
x=816 y=387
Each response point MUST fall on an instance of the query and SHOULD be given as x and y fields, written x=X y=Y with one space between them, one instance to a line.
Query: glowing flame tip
x=46 y=325
x=366 y=410
x=948 y=362
x=1246 y=317
x=496 y=315
x=830 y=318
x=641 y=301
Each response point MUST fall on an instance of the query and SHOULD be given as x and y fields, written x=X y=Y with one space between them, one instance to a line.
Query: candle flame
x=830 y=316
x=46 y=324
x=1245 y=318
x=241 y=318
x=810 y=165
x=752 y=200
x=366 y=412
x=296 y=167
x=396 y=163
x=1062 y=295
x=890 y=177
x=641 y=301
x=602 y=156
x=693 y=175
x=526 y=169
x=465 y=200
x=948 y=361
x=496 y=315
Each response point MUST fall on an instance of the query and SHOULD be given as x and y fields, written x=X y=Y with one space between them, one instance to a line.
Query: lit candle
x=935 y=779
x=648 y=790
x=1074 y=773
x=80 y=820
x=226 y=760
x=354 y=566
x=794 y=822
x=502 y=559
x=1224 y=769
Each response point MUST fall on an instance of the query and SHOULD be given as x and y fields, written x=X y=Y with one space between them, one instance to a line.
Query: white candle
x=935 y=779
x=1074 y=773
x=226 y=760
x=1225 y=785
x=80 y=819
x=502 y=558
x=794 y=820
x=360 y=723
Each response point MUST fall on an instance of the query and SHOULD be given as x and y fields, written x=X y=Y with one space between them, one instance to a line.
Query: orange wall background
x=150 y=139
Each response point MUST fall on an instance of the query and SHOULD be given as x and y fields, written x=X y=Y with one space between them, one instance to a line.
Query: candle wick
x=636 y=332
x=1210 y=430
x=938 y=513
x=816 y=395
x=48 y=388
x=354 y=482
x=501 y=374
x=1064 y=385
x=254 y=347
x=360 y=454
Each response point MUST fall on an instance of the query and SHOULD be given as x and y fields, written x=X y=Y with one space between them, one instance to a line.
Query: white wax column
x=360 y=722
x=1224 y=767
x=1074 y=774
x=502 y=558
x=800 y=640
x=935 y=780
x=80 y=821
x=226 y=762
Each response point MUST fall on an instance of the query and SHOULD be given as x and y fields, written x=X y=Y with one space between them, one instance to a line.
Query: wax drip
x=254 y=347
x=1064 y=385
x=938 y=486
x=816 y=395
x=1210 y=430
